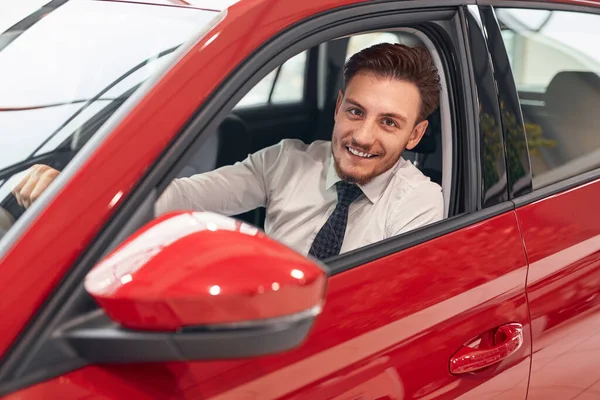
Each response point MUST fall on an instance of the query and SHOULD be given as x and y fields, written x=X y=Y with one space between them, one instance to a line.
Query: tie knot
x=347 y=192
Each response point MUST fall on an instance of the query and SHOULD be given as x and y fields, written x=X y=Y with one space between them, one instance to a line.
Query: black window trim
x=491 y=149
x=135 y=209
x=576 y=180
x=473 y=175
x=510 y=108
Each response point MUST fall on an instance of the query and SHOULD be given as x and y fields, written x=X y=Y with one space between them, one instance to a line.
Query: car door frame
x=137 y=207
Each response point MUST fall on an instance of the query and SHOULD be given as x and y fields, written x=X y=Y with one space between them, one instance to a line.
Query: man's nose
x=364 y=135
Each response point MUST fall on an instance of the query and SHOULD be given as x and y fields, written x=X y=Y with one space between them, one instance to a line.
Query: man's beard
x=356 y=178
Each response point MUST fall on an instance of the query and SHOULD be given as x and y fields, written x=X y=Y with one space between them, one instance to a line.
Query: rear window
x=555 y=60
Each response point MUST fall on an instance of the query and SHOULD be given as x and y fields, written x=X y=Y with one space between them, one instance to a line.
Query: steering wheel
x=10 y=211
x=6 y=221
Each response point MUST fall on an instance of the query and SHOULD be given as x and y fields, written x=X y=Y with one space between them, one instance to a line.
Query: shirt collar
x=372 y=190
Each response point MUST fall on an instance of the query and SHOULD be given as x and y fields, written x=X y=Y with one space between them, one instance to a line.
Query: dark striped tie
x=328 y=241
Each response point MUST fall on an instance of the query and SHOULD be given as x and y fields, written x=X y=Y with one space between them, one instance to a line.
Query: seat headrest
x=428 y=144
x=574 y=94
x=235 y=142
x=233 y=125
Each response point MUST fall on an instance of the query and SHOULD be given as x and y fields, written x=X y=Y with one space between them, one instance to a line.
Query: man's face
x=375 y=120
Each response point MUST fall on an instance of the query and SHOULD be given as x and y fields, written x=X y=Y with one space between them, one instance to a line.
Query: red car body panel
x=562 y=237
x=357 y=348
x=365 y=348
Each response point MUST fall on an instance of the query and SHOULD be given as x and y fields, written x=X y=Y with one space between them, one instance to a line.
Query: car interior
x=558 y=84
x=250 y=128
x=293 y=101
x=569 y=102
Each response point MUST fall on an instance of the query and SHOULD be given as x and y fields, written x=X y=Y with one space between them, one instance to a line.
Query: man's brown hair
x=397 y=61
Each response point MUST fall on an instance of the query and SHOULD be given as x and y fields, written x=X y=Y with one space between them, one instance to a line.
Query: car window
x=285 y=84
x=359 y=42
x=65 y=74
x=243 y=131
x=555 y=60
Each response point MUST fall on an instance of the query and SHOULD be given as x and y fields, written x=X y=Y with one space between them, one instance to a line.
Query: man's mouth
x=359 y=153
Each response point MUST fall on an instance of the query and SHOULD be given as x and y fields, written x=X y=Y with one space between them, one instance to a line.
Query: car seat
x=572 y=104
x=232 y=144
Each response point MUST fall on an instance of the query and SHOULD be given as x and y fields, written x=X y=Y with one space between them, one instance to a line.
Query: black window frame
x=518 y=167
x=492 y=148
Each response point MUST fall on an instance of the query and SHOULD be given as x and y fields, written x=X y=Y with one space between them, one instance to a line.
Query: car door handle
x=476 y=355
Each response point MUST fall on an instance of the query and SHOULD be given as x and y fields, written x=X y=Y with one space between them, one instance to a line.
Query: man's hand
x=35 y=182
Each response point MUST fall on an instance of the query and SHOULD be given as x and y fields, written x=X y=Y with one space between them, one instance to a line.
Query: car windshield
x=67 y=66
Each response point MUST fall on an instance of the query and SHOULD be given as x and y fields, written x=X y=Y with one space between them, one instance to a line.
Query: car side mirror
x=195 y=286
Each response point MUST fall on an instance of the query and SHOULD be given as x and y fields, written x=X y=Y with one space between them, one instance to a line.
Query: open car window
x=253 y=126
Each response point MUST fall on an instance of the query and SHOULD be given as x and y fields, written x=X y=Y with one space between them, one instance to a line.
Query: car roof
x=219 y=5
x=214 y=5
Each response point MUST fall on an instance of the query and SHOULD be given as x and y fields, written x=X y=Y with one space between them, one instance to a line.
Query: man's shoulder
x=411 y=184
x=413 y=178
x=417 y=200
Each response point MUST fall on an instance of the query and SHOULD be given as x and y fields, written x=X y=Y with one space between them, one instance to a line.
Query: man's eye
x=355 y=111
x=389 y=122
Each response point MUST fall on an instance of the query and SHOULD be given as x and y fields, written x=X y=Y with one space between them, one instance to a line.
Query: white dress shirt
x=296 y=184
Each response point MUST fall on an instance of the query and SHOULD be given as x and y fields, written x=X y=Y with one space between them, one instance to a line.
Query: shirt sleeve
x=228 y=190
x=422 y=206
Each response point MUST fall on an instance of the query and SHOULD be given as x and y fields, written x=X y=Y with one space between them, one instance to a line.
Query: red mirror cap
x=196 y=269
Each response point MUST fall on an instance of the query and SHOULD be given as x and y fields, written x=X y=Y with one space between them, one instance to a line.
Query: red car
x=100 y=300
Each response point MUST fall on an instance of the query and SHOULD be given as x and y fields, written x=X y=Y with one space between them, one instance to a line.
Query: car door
x=440 y=312
x=558 y=86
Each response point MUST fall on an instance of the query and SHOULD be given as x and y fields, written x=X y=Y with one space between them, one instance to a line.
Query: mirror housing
x=193 y=286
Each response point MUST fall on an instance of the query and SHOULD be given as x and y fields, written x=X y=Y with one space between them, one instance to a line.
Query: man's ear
x=338 y=103
x=417 y=134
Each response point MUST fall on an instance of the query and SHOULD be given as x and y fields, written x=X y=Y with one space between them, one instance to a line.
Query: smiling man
x=327 y=198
